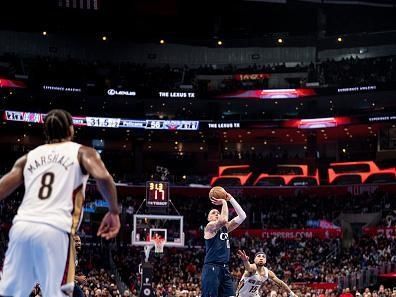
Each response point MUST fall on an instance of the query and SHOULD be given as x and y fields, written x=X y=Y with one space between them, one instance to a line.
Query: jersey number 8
x=46 y=185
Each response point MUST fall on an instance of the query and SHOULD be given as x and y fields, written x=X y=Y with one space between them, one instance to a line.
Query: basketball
x=218 y=193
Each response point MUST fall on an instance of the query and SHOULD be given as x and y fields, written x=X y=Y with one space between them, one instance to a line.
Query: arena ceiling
x=192 y=21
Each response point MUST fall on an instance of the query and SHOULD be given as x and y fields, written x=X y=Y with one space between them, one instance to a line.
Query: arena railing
x=366 y=277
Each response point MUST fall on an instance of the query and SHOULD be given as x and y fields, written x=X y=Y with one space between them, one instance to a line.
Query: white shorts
x=38 y=253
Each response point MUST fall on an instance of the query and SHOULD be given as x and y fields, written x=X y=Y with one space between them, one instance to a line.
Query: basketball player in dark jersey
x=216 y=277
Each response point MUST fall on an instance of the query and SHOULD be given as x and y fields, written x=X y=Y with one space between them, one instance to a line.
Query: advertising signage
x=120 y=92
x=178 y=94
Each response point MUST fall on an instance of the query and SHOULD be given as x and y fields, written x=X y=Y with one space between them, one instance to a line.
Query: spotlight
x=280 y=40
x=44 y=33
x=339 y=39
x=162 y=41
x=104 y=37
x=219 y=42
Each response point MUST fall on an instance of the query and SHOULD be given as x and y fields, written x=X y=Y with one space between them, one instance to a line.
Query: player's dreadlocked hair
x=56 y=125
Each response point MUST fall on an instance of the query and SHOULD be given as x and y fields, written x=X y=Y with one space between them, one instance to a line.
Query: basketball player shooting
x=216 y=277
x=255 y=275
x=55 y=174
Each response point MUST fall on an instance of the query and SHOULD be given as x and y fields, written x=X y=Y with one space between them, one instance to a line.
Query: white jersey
x=54 y=187
x=249 y=286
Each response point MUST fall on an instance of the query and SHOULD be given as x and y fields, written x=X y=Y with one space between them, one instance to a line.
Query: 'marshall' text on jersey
x=48 y=159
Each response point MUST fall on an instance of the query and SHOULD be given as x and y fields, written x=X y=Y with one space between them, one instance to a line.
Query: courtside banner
x=317 y=286
x=388 y=232
x=290 y=234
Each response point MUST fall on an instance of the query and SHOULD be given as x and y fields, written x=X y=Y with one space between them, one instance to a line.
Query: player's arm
x=251 y=268
x=280 y=283
x=213 y=227
x=13 y=179
x=92 y=163
x=241 y=215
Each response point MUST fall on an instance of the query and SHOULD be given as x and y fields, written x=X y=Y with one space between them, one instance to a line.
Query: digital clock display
x=171 y=125
x=103 y=122
x=157 y=193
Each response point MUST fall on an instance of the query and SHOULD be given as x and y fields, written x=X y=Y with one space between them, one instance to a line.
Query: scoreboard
x=101 y=122
x=157 y=194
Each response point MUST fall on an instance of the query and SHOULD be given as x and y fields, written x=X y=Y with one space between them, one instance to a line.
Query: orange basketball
x=218 y=193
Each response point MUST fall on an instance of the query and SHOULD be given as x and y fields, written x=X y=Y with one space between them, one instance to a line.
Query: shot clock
x=157 y=194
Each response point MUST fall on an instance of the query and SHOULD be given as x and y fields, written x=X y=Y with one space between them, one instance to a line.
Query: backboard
x=147 y=226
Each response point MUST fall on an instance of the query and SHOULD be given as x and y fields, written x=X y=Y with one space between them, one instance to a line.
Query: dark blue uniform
x=77 y=292
x=216 y=277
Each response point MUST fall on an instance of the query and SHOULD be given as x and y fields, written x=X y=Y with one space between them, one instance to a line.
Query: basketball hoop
x=159 y=244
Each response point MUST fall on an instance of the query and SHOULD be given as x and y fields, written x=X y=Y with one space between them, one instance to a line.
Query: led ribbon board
x=101 y=122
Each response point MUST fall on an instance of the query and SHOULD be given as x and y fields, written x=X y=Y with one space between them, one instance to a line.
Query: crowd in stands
x=97 y=283
x=294 y=212
x=355 y=71
x=298 y=211
x=177 y=271
x=298 y=262
x=185 y=170
x=348 y=71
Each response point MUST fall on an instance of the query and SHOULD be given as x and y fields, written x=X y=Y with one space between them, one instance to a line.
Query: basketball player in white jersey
x=41 y=246
x=255 y=275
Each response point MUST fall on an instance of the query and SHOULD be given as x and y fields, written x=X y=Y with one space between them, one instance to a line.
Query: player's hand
x=109 y=226
x=216 y=201
x=228 y=197
x=242 y=255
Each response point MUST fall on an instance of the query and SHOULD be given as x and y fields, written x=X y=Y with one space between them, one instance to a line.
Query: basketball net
x=159 y=245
